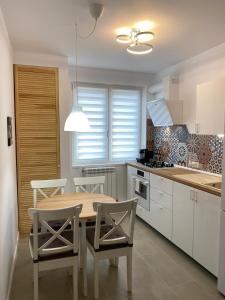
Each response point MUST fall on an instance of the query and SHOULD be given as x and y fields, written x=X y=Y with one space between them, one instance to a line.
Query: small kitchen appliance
x=145 y=156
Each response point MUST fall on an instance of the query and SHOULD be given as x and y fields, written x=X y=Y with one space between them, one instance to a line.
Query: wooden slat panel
x=37 y=132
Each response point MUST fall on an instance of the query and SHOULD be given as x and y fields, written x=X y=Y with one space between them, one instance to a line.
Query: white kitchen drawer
x=161 y=219
x=143 y=214
x=161 y=198
x=161 y=183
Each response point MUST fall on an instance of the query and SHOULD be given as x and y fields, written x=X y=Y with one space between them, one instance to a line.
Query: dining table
x=87 y=213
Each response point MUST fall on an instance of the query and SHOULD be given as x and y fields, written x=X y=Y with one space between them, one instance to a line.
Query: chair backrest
x=89 y=184
x=43 y=217
x=40 y=185
x=115 y=214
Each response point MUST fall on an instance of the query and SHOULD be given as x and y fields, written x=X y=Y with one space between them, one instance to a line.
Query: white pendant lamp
x=77 y=120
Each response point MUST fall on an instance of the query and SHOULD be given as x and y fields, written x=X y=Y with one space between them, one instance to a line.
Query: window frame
x=109 y=88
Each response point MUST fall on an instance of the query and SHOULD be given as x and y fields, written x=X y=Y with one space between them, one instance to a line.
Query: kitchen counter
x=196 y=179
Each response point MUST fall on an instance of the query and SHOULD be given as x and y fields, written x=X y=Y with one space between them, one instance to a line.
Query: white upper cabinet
x=210 y=104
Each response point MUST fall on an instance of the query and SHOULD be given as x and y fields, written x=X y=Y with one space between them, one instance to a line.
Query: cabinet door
x=210 y=107
x=161 y=219
x=161 y=183
x=130 y=181
x=37 y=132
x=206 y=230
x=183 y=216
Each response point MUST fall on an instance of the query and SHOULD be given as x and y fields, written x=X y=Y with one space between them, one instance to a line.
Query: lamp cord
x=75 y=98
x=76 y=56
x=91 y=32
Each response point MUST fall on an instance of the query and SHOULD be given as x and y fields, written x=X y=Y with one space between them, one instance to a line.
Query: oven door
x=141 y=191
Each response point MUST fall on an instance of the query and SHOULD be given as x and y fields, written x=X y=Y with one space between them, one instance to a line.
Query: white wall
x=8 y=189
x=204 y=67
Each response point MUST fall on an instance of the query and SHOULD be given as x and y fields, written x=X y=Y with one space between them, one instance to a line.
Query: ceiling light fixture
x=137 y=39
x=145 y=36
x=77 y=120
x=123 y=39
x=139 y=48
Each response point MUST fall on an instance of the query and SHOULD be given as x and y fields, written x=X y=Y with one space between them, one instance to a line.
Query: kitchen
x=157 y=134
x=178 y=178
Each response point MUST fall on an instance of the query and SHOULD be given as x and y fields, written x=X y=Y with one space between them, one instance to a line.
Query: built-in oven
x=141 y=188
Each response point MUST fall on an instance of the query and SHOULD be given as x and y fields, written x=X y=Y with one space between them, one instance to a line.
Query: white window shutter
x=92 y=146
x=125 y=122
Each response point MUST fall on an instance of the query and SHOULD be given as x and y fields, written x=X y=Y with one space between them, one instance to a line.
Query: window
x=114 y=116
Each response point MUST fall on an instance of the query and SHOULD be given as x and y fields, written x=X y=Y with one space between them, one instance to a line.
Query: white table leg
x=83 y=255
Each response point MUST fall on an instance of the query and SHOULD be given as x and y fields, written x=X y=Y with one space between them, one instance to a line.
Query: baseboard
x=13 y=267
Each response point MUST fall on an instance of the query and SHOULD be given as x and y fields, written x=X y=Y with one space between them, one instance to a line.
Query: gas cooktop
x=158 y=164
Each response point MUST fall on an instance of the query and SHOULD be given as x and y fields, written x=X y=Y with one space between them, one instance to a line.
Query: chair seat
x=56 y=225
x=104 y=229
x=44 y=237
x=92 y=223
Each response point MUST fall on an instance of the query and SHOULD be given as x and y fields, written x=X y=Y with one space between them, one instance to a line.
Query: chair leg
x=75 y=280
x=129 y=270
x=83 y=257
x=35 y=281
x=96 y=279
x=116 y=261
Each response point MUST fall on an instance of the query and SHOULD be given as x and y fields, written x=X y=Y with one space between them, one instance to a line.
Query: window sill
x=100 y=165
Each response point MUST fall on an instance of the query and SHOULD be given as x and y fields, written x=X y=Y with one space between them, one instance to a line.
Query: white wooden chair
x=46 y=189
x=39 y=186
x=55 y=249
x=110 y=241
x=89 y=184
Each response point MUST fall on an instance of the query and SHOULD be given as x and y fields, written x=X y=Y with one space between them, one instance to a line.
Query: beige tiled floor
x=160 y=271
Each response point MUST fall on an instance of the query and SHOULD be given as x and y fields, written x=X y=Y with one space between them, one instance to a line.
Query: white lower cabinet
x=183 y=217
x=161 y=219
x=186 y=216
x=206 y=230
x=143 y=214
x=196 y=225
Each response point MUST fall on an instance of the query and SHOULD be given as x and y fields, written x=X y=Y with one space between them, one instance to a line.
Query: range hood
x=163 y=107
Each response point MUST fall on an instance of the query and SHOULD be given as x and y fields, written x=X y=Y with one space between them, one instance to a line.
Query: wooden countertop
x=195 y=179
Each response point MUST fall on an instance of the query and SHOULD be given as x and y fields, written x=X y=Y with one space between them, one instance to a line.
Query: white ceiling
x=183 y=28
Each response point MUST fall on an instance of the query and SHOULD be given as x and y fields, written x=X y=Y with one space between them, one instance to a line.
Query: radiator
x=110 y=187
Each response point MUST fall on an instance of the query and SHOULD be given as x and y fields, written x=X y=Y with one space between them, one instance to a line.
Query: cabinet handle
x=196 y=196
x=192 y=195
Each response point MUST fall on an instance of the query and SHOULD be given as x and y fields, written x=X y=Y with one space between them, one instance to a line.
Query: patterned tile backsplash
x=175 y=145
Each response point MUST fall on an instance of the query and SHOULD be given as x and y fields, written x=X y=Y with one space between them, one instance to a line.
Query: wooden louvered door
x=37 y=131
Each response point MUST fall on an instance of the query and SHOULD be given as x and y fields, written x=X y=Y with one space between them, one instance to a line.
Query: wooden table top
x=71 y=199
